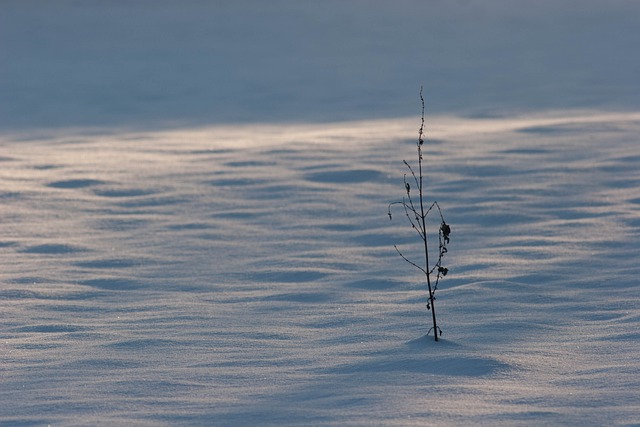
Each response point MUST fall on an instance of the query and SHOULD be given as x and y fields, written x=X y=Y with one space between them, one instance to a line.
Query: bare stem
x=414 y=209
x=423 y=217
x=409 y=261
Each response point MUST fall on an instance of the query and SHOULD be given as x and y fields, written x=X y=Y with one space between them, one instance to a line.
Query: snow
x=221 y=254
x=161 y=277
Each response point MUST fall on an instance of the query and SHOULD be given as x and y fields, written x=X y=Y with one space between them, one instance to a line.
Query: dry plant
x=414 y=209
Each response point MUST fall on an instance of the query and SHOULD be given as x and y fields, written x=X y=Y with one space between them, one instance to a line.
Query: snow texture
x=158 y=267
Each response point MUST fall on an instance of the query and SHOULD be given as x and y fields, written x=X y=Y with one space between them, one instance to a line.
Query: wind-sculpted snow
x=246 y=275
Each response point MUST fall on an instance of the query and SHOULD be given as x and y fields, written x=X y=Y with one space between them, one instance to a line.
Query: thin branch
x=409 y=261
x=403 y=203
x=434 y=204
x=415 y=178
x=421 y=132
x=412 y=207
x=408 y=209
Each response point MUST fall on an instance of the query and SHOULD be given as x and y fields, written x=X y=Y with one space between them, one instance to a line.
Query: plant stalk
x=424 y=223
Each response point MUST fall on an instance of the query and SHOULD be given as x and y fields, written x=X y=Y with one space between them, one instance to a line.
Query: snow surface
x=193 y=213
x=194 y=277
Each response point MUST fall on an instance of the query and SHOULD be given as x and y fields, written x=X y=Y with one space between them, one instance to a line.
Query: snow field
x=245 y=275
